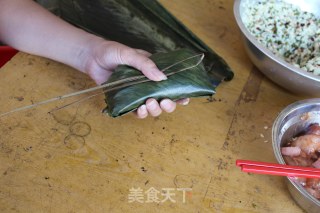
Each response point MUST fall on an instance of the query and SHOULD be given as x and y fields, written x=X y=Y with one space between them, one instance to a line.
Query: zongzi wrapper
x=187 y=77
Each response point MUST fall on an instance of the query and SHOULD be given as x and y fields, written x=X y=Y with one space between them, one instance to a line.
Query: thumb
x=140 y=61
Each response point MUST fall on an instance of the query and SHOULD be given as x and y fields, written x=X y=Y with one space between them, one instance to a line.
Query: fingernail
x=159 y=75
x=167 y=105
x=143 y=109
x=152 y=104
x=185 y=102
x=142 y=112
x=163 y=77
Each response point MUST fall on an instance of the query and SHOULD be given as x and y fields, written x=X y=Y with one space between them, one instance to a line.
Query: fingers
x=142 y=112
x=167 y=105
x=139 y=60
x=153 y=108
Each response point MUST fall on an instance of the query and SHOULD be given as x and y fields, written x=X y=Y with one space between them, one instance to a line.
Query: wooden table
x=78 y=160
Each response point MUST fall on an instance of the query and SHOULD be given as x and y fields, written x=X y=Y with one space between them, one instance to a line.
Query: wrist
x=85 y=54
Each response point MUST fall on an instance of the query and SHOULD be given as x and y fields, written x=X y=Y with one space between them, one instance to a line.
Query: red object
x=6 y=53
x=277 y=169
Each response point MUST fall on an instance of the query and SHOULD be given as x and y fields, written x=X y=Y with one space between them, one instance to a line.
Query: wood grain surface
x=79 y=160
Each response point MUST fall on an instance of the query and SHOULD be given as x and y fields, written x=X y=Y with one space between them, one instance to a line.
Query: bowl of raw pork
x=296 y=141
x=282 y=38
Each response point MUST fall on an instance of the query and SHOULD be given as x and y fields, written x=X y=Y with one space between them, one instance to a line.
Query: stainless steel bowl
x=291 y=121
x=275 y=68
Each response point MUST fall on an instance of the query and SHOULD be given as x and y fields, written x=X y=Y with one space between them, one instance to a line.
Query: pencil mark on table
x=173 y=140
x=74 y=142
x=80 y=128
x=204 y=197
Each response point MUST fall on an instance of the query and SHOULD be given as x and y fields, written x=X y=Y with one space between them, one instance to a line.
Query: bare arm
x=28 y=27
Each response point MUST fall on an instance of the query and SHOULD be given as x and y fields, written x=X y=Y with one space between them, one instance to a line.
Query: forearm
x=28 y=27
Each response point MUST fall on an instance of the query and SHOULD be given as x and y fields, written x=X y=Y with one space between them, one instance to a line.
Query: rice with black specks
x=287 y=31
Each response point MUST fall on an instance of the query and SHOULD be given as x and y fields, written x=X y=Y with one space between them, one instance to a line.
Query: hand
x=104 y=56
x=153 y=108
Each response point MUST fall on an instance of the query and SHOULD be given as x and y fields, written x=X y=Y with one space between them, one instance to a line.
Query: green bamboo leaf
x=192 y=82
x=143 y=24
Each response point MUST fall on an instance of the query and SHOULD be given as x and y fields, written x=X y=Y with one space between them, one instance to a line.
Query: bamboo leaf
x=192 y=83
x=143 y=24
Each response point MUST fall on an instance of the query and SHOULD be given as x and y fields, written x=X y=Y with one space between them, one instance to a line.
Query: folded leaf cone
x=187 y=77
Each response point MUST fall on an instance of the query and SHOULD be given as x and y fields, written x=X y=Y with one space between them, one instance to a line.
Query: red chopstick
x=277 y=169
